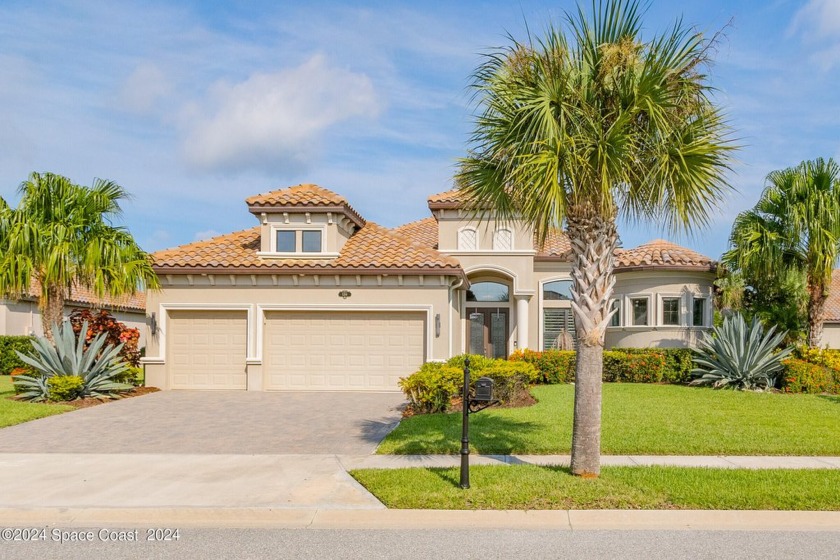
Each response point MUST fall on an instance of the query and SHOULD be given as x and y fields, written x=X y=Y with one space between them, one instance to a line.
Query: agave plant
x=97 y=365
x=739 y=356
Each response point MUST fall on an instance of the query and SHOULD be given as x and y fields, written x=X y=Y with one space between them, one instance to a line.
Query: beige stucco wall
x=260 y=294
x=655 y=284
x=23 y=318
x=450 y=222
x=831 y=335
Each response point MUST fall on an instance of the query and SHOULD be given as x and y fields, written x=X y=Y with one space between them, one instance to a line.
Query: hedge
x=434 y=385
x=630 y=365
x=8 y=359
x=799 y=376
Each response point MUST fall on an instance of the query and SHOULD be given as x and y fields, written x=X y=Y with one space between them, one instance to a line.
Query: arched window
x=557 y=290
x=502 y=240
x=467 y=240
x=488 y=291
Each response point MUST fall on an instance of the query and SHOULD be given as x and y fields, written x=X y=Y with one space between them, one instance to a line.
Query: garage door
x=207 y=349
x=342 y=351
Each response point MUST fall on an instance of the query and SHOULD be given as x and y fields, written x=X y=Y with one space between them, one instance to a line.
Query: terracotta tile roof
x=302 y=196
x=371 y=248
x=661 y=254
x=424 y=232
x=555 y=246
x=449 y=197
x=86 y=296
x=377 y=247
x=831 y=313
x=298 y=195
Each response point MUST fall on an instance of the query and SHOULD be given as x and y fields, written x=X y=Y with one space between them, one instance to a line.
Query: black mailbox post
x=482 y=399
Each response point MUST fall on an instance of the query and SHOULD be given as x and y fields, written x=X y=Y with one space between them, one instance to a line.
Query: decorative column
x=522 y=321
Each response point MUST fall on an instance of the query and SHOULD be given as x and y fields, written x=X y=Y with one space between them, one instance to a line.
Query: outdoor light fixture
x=344 y=294
x=437 y=325
x=153 y=324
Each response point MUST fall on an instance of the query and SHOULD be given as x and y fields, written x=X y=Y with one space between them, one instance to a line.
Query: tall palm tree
x=795 y=226
x=582 y=127
x=61 y=236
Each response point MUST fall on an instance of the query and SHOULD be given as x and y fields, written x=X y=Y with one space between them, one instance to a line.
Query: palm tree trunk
x=52 y=308
x=816 y=306
x=593 y=239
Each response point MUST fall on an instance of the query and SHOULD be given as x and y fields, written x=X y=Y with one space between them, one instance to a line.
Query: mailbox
x=483 y=390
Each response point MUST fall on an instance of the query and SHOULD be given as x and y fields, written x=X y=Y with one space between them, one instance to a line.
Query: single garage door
x=341 y=350
x=207 y=349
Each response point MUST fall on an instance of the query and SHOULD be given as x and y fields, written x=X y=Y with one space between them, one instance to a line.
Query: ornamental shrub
x=678 y=362
x=511 y=380
x=431 y=388
x=9 y=359
x=826 y=357
x=624 y=367
x=477 y=362
x=96 y=365
x=554 y=366
x=116 y=332
x=799 y=376
x=65 y=387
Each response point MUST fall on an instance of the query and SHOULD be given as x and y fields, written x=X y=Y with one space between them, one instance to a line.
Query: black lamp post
x=482 y=399
x=465 y=428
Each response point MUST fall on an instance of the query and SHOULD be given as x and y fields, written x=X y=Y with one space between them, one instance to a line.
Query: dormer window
x=298 y=241
x=310 y=241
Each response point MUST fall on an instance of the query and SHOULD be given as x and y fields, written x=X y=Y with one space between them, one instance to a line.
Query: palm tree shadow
x=831 y=398
x=489 y=435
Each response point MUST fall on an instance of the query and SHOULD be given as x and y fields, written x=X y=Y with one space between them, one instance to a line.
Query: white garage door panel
x=332 y=350
x=207 y=349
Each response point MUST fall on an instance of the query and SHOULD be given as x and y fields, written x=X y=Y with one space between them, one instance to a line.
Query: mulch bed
x=88 y=402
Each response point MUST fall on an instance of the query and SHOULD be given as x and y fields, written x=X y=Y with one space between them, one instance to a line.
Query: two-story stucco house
x=316 y=298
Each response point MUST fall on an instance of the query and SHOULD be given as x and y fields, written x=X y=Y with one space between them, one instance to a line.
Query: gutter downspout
x=452 y=287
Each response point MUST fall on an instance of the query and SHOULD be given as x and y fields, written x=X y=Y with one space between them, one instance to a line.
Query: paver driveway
x=258 y=423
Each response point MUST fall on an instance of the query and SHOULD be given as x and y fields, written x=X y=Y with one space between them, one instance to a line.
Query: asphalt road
x=319 y=544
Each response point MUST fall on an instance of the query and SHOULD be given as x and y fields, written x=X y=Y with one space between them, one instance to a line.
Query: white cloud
x=273 y=121
x=143 y=88
x=821 y=17
x=819 y=23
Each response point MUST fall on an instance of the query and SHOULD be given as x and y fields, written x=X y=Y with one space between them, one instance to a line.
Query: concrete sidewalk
x=384 y=519
x=315 y=491
x=722 y=461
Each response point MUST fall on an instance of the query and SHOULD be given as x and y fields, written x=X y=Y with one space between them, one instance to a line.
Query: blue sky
x=192 y=106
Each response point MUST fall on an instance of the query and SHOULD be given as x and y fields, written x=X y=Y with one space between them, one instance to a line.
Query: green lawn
x=534 y=487
x=640 y=419
x=15 y=412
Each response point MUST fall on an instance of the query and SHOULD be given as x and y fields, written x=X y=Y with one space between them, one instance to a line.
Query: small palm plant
x=94 y=367
x=739 y=356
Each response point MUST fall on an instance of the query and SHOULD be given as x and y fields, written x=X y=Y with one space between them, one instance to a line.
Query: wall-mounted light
x=344 y=294
x=153 y=324
x=437 y=325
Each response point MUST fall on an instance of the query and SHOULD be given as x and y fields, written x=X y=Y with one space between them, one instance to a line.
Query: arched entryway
x=488 y=316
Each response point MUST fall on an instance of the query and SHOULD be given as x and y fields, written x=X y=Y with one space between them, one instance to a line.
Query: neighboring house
x=316 y=298
x=22 y=317
x=831 y=314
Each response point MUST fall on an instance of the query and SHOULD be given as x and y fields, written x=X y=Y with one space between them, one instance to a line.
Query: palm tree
x=794 y=227
x=581 y=128
x=61 y=236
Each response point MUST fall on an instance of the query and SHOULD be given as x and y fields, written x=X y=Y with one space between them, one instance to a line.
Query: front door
x=487 y=331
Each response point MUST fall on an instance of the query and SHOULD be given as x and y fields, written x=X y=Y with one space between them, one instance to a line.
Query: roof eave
x=341 y=271
x=301 y=208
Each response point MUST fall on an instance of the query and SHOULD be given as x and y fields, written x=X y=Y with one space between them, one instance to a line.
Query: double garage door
x=303 y=350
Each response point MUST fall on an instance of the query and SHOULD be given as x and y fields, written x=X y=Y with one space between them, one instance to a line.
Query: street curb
x=563 y=520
